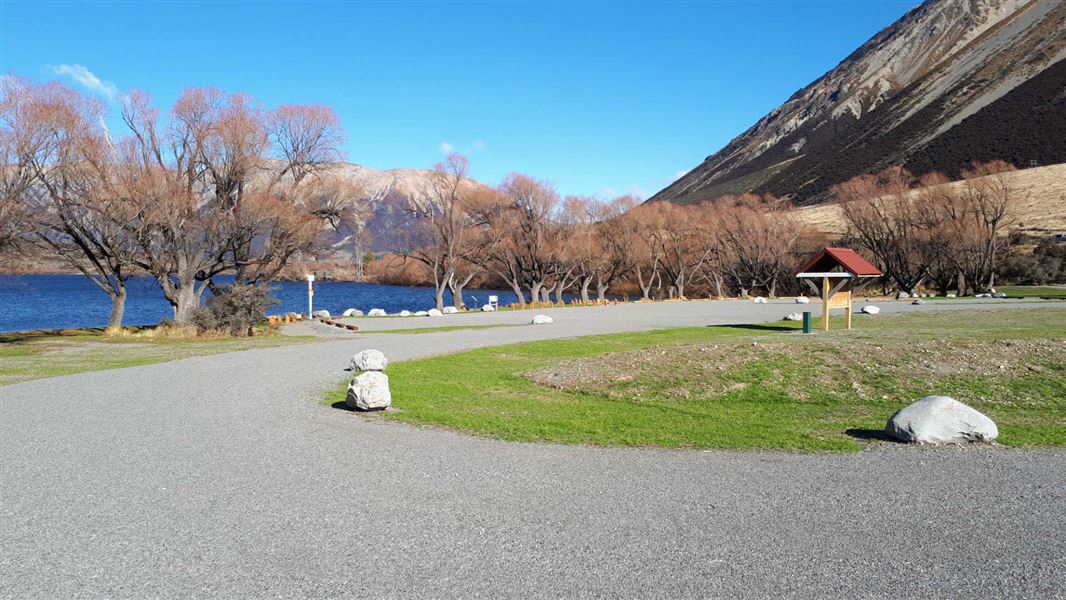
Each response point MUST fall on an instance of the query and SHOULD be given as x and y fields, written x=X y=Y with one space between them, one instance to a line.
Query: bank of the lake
x=72 y=301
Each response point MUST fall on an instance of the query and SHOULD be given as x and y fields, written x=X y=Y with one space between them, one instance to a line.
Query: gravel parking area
x=222 y=476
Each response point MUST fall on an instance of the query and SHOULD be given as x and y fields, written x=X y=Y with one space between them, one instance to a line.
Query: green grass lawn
x=35 y=355
x=1034 y=291
x=748 y=386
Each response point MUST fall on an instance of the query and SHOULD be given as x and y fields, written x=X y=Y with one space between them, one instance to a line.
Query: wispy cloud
x=446 y=148
x=87 y=79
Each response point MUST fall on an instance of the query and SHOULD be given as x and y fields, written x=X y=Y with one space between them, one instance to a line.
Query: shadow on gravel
x=757 y=327
x=871 y=435
x=342 y=405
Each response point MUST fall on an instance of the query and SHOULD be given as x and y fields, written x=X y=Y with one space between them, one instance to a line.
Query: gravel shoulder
x=222 y=476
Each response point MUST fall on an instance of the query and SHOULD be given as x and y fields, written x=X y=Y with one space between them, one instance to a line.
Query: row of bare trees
x=542 y=245
x=927 y=231
x=219 y=185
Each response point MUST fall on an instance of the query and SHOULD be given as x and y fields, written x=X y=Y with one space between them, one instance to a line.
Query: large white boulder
x=321 y=314
x=377 y=312
x=802 y=300
x=793 y=317
x=488 y=308
x=951 y=296
x=759 y=300
x=543 y=320
x=870 y=310
x=450 y=310
x=902 y=296
x=369 y=360
x=369 y=391
x=435 y=313
x=940 y=420
x=421 y=313
x=352 y=312
x=404 y=313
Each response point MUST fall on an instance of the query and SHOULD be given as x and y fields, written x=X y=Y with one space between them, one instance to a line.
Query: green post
x=806 y=321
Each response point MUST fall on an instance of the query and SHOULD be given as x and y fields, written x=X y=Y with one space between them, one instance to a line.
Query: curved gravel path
x=222 y=476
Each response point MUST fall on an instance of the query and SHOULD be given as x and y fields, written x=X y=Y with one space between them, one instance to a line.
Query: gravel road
x=221 y=476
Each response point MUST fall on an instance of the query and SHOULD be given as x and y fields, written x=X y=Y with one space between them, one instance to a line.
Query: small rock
x=940 y=420
x=902 y=296
x=952 y=296
x=793 y=317
x=369 y=360
x=377 y=312
x=488 y=308
x=999 y=295
x=320 y=314
x=802 y=300
x=435 y=313
x=870 y=310
x=404 y=313
x=352 y=312
x=918 y=301
x=369 y=391
x=759 y=300
x=543 y=320
x=450 y=310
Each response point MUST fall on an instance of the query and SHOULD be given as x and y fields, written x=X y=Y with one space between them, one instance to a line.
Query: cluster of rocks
x=380 y=312
x=370 y=389
x=938 y=420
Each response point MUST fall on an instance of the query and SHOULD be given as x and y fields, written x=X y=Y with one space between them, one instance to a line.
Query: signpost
x=847 y=269
x=310 y=294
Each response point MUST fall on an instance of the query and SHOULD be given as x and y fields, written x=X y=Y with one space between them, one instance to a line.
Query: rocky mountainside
x=951 y=82
x=390 y=193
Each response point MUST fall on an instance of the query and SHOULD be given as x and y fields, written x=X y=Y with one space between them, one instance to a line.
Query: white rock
x=543 y=320
x=421 y=313
x=802 y=300
x=369 y=360
x=488 y=308
x=870 y=310
x=999 y=295
x=321 y=314
x=918 y=301
x=940 y=420
x=759 y=300
x=983 y=296
x=352 y=312
x=450 y=310
x=952 y=296
x=369 y=391
x=404 y=313
x=435 y=313
x=902 y=296
x=793 y=317
x=377 y=312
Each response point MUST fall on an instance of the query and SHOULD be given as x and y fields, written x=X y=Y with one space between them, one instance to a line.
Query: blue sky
x=600 y=98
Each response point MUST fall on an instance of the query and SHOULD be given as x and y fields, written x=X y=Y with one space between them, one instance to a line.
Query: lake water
x=60 y=301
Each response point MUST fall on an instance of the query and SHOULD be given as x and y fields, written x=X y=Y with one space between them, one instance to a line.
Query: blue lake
x=60 y=301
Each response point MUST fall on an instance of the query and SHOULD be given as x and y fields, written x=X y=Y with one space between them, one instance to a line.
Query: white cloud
x=87 y=79
x=446 y=148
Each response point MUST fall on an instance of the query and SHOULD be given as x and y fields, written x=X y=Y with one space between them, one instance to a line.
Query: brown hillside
x=1039 y=208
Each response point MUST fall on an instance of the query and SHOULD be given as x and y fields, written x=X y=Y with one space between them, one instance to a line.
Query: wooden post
x=825 y=303
x=847 y=312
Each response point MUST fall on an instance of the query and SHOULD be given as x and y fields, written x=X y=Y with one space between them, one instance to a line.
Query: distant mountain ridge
x=950 y=82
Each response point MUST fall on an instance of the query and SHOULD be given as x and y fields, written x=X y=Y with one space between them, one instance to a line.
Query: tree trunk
x=438 y=296
x=585 y=283
x=534 y=292
x=118 y=308
x=185 y=301
x=601 y=289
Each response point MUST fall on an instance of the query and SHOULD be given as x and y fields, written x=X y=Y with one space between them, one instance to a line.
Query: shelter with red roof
x=846 y=268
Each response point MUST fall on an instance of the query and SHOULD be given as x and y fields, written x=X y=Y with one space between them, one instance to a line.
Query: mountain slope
x=951 y=82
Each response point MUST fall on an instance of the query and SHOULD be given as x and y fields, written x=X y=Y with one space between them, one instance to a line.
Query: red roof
x=845 y=258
